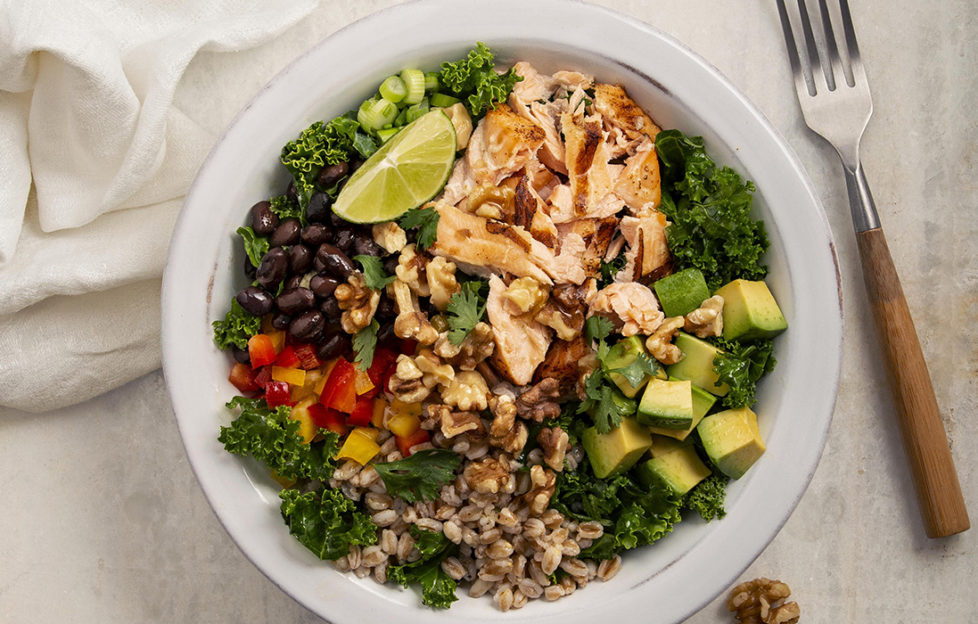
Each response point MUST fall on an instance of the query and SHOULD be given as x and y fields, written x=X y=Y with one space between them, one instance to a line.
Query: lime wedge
x=404 y=173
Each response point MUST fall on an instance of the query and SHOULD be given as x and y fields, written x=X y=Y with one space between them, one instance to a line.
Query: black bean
x=386 y=333
x=343 y=239
x=295 y=300
x=363 y=244
x=338 y=222
x=307 y=326
x=293 y=281
x=355 y=164
x=318 y=209
x=331 y=345
x=255 y=300
x=390 y=264
x=331 y=174
x=241 y=355
x=281 y=321
x=249 y=268
x=263 y=220
x=287 y=233
x=386 y=308
x=315 y=234
x=332 y=261
x=323 y=285
x=330 y=308
x=300 y=258
x=273 y=268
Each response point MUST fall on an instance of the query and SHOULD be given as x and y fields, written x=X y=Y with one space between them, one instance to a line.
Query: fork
x=835 y=100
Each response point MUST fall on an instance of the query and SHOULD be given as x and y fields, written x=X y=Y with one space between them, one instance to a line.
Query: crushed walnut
x=412 y=270
x=441 y=282
x=467 y=391
x=539 y=401
x=411 y=322
x=554 y=442
x=415 y=377
x=390 y=236
x=762 y=601
x=660 y=344
x=706 y=320
x=476 y=347
x=488 y=475
x=543 y=484
x=492 y=202
x=506 y=432
x=526 y=294
x=455 y=423
x=358 y=303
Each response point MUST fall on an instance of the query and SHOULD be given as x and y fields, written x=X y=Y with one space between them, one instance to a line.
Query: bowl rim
x=571 y=10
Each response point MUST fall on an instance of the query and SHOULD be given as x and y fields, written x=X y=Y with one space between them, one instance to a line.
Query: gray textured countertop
x=103 y=520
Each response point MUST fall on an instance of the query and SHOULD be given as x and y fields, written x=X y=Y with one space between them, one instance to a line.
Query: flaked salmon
x=639 y=185
x=648 y=248
x=501 y=145
x=614 y=105
x=630 y=306
x=521 y=342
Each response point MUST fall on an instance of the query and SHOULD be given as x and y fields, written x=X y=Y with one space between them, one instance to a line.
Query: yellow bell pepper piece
x=359 y=446
x=377 y=420
x=292 y=376
x=278 y=339
x=403 y=425
x=308 y=387
x=370 y=432
x=286 y=483
x=362 y=383
x=300 y=412
x=400 y=407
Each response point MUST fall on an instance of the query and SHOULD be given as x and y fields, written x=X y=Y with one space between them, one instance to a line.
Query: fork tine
x=802 y=75
x=855 y=60
x=812 y=47
x=838 y=73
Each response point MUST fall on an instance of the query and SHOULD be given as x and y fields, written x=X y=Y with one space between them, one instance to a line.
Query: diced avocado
x=667 y=404
x=732 y=440
x=681 y=293
x=674 y=465
x=697 y=364
x=750 y=311
x=702 y=402
x=616 y=451
x=623 y=355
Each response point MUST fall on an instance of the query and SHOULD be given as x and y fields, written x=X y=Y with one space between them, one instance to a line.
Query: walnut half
x=761 y=601
x=539 y=402
x=660 y=344
x=506 y=432
x=488 y=475
x=554 y=444
x=358 y=303
x=706 y=320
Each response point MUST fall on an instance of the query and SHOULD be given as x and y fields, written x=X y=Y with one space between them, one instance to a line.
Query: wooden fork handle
x=931 y=465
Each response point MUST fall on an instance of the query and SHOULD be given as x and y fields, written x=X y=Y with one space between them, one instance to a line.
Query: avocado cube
x=697 y=364
x=667 y=404
x=732 y=440
x=682 y=292
x=702 y=402
x=616 y=451
x=750 y=311
x=623 y=355
x=674 y=465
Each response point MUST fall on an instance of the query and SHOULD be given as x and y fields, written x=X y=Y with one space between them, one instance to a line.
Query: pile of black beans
x=325 y=247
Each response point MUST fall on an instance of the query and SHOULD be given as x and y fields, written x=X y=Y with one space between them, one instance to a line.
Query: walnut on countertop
x=358 y=303
x=706 y=320
x=554 y=442
x=506 y=432
x=543 y=482
x=488 y=475
x=411 y=269
x=468 y=392
x=476 y=347
x=762 y=601
x=660 y=344
x=538 y=402
x=411 y=322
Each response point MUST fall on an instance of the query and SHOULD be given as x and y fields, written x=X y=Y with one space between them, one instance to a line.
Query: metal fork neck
x=861 y=204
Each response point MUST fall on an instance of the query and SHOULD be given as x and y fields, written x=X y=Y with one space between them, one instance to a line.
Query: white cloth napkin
x=94 y=161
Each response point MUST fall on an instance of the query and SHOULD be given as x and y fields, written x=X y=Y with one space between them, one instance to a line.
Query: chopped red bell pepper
x=308 y=359
x=261 y=350
x=362 y=413
x=326 y=418
x=408 y=346
x=277 y=393
x=340 y=391
x=382 y=360
x=263 y=376
x=287 y=358
x=405 y=443
x=243 y=378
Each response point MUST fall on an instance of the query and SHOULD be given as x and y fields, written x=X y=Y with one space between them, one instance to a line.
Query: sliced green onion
x=417 y=110
x=386 y=134
x=393 y=89
x=414 y=81
x=431 y=81
x=440 y=100
x=375 y=114
x=401 y=119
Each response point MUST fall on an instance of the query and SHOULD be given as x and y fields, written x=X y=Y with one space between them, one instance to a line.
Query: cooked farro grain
x=384 y=518
x=453 y=568
x=503 y=597
x=608 y=568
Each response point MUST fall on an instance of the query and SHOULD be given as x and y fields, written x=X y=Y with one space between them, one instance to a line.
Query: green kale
x=437 y=588
x=254 y=245
x=426 y=221
x=373 y=272
x=364 y=343
x=326 y=522
x=709 y=208
x=236 y=328
x=272 y=437
x=285 y=208
x=707 y=497
x=319 y=145
x=465 y=310
x=420 y=476
x=474 y=81
x=741 y=366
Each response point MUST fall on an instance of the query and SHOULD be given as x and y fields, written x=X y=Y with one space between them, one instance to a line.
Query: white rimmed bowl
x=663 y=583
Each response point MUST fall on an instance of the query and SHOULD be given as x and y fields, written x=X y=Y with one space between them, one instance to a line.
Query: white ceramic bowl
x=663 y=583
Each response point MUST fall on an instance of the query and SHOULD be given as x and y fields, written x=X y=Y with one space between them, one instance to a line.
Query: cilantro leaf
x=426 y=220
x=420 y=476
x=364 y=343
x=465 y=310
x=237 y=327
x=605 y=403
x=437 y=588
x=636 y=372
x=709 y=208
x=285 y=208
x=272 y=437
x=741 y=367
x=326 y=522
x=373 y=272
x=474 y=81
x=707 y=497
x=597 y=328
x=254 y=245
x=318 y=145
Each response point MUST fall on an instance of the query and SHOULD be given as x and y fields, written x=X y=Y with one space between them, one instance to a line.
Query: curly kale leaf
x=255 y=246
x=272 y=437
x=323 y=144
x=236 y=328
x=707 y=497
x=709 y=207
x=474 y=81
x=420 y=476
x=326 y=522
x=741 y=366
x=285 y=208
x=437 y=588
